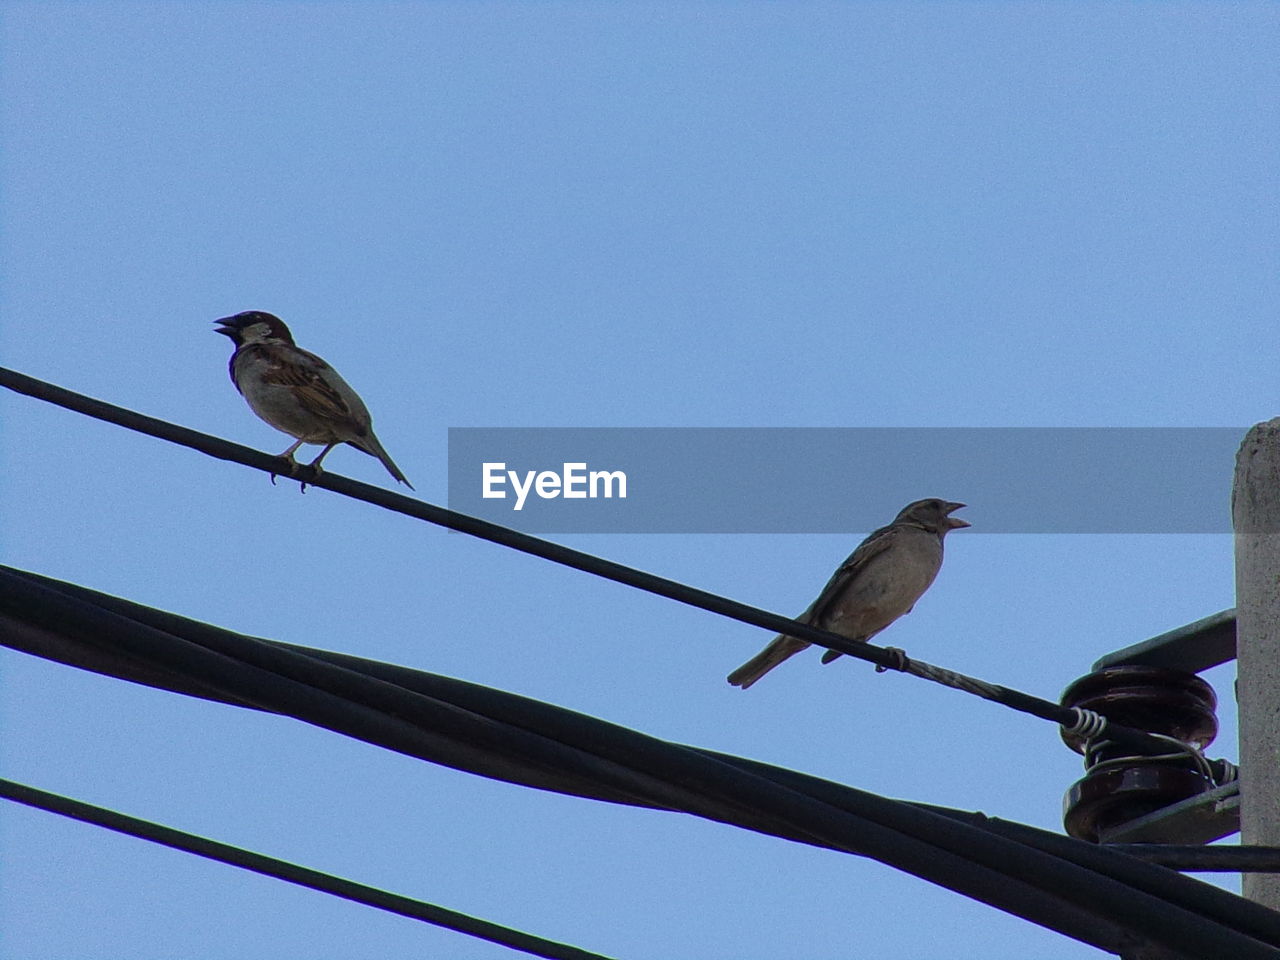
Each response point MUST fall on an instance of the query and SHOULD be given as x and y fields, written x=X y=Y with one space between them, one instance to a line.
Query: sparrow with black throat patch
x=297 y=392
x=880 y=581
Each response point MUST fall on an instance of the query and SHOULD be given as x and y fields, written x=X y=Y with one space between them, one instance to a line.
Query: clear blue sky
x=579 y=214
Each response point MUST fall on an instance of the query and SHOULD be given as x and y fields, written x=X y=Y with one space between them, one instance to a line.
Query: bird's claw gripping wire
x=899 y=660
x=293 y=467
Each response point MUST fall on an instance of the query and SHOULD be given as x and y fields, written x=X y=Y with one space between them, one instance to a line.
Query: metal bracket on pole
x=1201 y=819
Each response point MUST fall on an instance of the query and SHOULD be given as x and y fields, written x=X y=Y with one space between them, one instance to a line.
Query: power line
x=1072 y=719
x=1236 y=858
x=292 y=873
x=1081 y=890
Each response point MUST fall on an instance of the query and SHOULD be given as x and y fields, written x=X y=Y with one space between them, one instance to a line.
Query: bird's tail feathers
x=370 y=445
x=780 y=649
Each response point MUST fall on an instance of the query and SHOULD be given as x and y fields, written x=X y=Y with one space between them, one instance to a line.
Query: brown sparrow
x=297 y=392
x=880 y=581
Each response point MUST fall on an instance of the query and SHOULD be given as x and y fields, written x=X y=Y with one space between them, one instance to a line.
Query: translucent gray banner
x=843 y=480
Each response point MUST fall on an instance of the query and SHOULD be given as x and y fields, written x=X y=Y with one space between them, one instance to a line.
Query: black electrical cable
x=512 y=738
x=292 y=873
x=1132 y=864
x=609 y=570
x=1234 y=858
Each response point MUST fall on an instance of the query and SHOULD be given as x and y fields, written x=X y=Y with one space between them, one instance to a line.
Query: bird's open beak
x=956 y=523
x=226 y=326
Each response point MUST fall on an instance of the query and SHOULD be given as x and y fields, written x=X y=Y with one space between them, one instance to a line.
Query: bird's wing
x=310 y=379
x=784 y=646
x=876 y=543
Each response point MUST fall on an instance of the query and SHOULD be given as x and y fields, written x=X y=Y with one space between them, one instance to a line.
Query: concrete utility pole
x=1255 y=508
